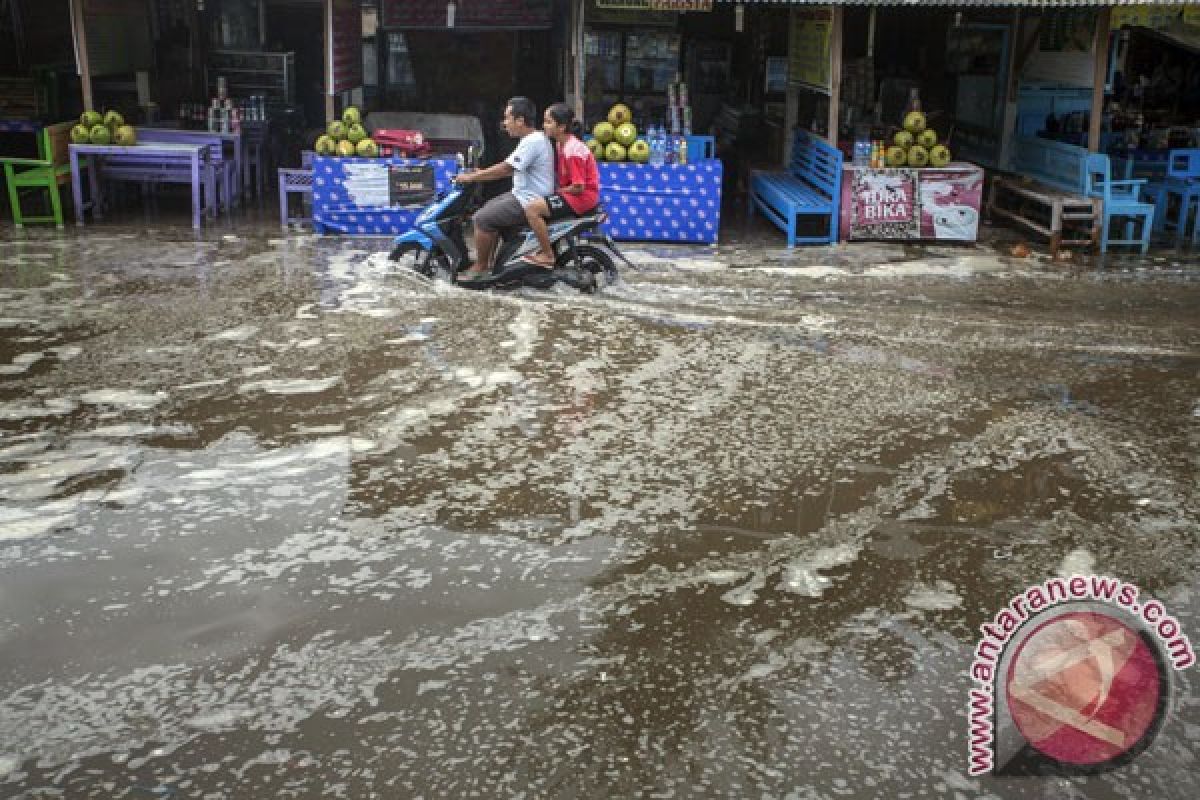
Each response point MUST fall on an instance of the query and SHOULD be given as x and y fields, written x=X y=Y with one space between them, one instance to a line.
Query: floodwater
x=277 y=521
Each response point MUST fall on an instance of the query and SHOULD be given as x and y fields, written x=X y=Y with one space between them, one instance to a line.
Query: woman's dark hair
x=523 y=108
x=563 y=115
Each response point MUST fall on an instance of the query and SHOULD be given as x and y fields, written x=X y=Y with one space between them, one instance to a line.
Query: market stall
x=939 y=203
x=668 y=203
x=374 y=195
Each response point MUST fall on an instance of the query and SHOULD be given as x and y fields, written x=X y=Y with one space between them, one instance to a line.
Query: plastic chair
x=295 y=181
x=1121 y=199
x=48 y=172
x=1182 y=181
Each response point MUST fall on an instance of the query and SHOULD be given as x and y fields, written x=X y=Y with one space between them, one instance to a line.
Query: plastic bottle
x=656 y=147
x=683 y=151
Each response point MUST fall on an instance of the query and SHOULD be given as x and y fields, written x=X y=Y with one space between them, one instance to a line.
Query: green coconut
x=100 y=134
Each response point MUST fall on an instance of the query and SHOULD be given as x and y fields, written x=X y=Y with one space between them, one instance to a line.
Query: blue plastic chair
x=1121 y=199
x=1182 y=181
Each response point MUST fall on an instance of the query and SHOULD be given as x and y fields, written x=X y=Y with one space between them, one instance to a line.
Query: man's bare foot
x=540 y=259
x=472 y=273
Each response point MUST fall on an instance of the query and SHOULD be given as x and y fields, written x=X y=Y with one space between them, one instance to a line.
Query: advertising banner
x=808 y=46
x=941 y=204
x=345 y=43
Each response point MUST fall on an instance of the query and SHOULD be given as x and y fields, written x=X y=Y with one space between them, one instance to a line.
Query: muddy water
x=278 y=522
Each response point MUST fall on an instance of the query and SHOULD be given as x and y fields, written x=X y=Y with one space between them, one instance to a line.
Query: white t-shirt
x=533 y=162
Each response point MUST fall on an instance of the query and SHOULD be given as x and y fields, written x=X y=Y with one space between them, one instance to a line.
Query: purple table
x=154 y=162
x=234 y=140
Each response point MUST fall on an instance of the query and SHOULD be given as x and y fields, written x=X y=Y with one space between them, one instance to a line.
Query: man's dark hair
x=523 y=107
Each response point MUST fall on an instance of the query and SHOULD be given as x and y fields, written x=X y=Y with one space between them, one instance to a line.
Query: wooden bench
x=812 y=187
x=1049 y=194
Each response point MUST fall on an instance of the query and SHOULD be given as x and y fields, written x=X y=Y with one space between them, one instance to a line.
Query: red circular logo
x=1084 y=688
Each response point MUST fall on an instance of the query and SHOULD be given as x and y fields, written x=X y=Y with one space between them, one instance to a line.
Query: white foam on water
x=53 y=407
x=293 y=386
x=239 y=334
x=204 y=384
x=16 y=524
x=133 y=429
x=66 y=352
x=803 y=575
x=1077 y=562
x=123 y=398
x=21 y=363
x=939 y=597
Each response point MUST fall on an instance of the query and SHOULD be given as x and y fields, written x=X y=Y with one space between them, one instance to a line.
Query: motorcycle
x=583 y=255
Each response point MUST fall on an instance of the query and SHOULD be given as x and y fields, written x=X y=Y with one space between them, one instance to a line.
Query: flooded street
x=277 y=521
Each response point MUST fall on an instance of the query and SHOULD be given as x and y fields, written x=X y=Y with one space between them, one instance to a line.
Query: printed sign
x=949 y=202
x=929 y=203
x=410 y=185
x=655 y=5
x=366 y=184
x=808 y=46
x=885 y=204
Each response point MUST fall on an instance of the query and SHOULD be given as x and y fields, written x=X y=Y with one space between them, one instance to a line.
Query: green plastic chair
x=48 y=172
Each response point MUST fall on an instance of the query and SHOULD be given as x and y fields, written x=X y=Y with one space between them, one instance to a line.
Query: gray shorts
x=502 y=211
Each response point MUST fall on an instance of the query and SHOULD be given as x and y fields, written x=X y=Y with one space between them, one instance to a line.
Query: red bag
x=401 y=142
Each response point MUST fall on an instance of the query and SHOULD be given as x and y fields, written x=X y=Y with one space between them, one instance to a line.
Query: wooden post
x=791 y=105
x=82 y=64
x=578 y=62
x=330 y=109
x=1011 y=93
x=835 y=72
x=1099 y=76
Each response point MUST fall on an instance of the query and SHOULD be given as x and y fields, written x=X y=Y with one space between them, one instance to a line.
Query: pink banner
x=911 y=203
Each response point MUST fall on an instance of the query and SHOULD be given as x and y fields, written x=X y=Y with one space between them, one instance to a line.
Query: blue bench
x=1049 y=194
x=812 y=187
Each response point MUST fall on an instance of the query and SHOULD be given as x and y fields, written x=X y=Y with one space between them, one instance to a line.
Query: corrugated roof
x=962 y=3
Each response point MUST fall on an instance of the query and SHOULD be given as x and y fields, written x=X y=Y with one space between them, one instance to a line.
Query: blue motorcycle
x=585 y=258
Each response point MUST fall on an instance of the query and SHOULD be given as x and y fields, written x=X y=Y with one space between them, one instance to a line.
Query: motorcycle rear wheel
x=597 y=261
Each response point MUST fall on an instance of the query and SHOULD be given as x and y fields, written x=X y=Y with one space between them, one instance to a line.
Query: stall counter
x=669 y=203
x=351 y=195
x=939 y=203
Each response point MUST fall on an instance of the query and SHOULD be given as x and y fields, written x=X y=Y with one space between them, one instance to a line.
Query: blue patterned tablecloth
x=345 y=199
x=674 y=203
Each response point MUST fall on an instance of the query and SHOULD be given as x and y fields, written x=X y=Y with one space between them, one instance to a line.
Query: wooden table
x=154 y=162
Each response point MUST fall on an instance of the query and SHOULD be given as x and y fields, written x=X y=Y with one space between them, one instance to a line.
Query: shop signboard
x=345 y=46
x=941 y=204
x=808 y=47
x=468 y=14
x=655 y=5
x=1160 y=18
